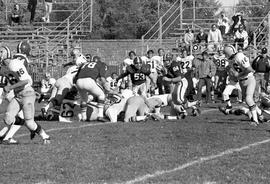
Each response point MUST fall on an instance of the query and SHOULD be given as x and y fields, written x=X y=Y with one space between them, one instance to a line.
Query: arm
x=16 y=85
x=122 y=76
x=213 y=69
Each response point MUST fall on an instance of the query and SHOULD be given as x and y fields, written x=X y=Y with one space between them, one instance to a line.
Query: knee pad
x=29 y=111
x=249 y=100
x=9 y=120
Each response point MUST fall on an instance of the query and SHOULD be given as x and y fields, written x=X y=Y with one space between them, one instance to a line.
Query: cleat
x=253 y=123
x=196 y=112
x=102 y=119
x=182 y=115
x=224 y=110
x=261 y=119
x=47 y=141
x=10 y=141
x=32 y=134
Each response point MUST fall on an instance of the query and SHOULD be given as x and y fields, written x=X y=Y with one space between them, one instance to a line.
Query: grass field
x=209 y=149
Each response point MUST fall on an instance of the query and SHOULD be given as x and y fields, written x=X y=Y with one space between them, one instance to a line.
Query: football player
x=86 y=83
x=186 y=64
x=138 y=107
x=241 y=69
x=46 y=87
x=176 y=74
x=138 y=73
x=221 y=75
x=114 y=85
x=24 y=95
x=65 y=84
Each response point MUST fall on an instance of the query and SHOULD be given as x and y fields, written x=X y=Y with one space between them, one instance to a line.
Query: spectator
x=241 y=37
x=205 y=70
x=261 y=65
x=32 y=4
x=16 y=15
x=214 y=38
x=48 y=10
x=237 y=20
x=189 y=38
x=201 y=37
x=223 y=24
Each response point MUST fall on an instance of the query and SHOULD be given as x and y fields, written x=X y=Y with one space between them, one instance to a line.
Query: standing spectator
x=16 y=15
x=237 y=20
x=261 y=65
x=205 y=70
x=32 y=4
x=223 y=24
x=188 y=38
x=241 y=37
x=214 y=38
x=48 y=10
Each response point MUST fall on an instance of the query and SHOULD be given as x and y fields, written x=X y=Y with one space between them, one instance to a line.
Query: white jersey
x=46 y=85
x=240 y=63
x=70 y=74
x=145 y=59
x=165 y=98
x=186 y=63
x=156 y=63
x=221 y=62
x=18 y=72
x=80 y=60
x=113 y=83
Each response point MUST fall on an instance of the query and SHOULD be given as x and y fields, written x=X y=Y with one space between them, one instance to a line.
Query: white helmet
x=4 y=53
x=229 y=50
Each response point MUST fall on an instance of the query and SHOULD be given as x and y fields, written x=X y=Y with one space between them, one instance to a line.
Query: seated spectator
x=214 y=38
x=241 y=37
x=223 y=24
x=16 y=15
x=189 y=38
x=237 y=20
x=201 y=37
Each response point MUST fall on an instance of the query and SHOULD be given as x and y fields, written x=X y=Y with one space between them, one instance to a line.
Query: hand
x=7 y=89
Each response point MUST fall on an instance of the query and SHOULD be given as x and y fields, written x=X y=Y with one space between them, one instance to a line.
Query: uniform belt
x=243 y=79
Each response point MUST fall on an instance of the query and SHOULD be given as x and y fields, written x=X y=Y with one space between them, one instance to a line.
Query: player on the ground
x=176 y=74
x=24 y=99
x=86 y=83
x=46 y=87
x=138 y=73
x=241 y=69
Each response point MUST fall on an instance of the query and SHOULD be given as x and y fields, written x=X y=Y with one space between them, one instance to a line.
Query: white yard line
x=198 y=161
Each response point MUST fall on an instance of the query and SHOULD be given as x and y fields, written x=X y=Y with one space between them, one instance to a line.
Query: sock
x=259 y=111
x=137 y=118
x=41 y=132
x=253 y=111
x=100 y=109
x=12 y=130
x=3 y=131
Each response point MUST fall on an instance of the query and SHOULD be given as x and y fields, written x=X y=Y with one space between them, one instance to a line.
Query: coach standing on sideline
x=205 y=69
x=32 y=4
x=261 y=65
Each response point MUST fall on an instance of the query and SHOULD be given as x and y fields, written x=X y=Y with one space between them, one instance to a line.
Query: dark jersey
x=3 y=78
x=138 y=76
x=175 y=70
x=92 y=70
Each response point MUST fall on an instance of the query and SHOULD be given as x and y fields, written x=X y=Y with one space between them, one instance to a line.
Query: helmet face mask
x=229 y=51
x=4 y=54
x=138 y=62
x=24 y=48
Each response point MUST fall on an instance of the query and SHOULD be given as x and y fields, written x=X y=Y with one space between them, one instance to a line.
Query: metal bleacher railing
x=172 y=25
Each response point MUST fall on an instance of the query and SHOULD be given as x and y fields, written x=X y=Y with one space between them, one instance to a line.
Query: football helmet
x=167 y=59
x=229 y=51
x=24 y=48
x=265 y=102
x=4 y=53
